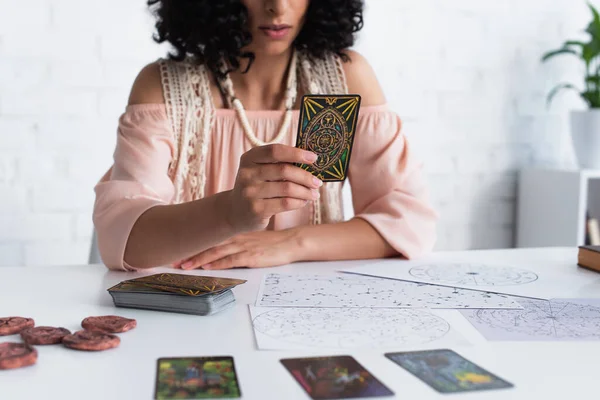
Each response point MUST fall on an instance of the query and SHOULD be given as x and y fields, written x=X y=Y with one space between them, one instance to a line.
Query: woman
x=197 y=184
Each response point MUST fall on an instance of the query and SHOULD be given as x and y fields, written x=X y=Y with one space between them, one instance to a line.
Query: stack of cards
x=188 y=294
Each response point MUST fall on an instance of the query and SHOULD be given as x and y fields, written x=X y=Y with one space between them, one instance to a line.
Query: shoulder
x=361 y=79
x=147 y=87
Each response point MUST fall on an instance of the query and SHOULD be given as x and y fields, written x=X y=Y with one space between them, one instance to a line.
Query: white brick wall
x=464 y=75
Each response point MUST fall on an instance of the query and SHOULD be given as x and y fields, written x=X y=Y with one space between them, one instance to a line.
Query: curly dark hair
x=210 y=30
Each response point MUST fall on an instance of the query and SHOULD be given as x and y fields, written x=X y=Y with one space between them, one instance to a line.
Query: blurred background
x=465 y=76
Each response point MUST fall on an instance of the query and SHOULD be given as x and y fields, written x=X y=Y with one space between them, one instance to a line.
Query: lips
x=276 y=31
x=275 y=27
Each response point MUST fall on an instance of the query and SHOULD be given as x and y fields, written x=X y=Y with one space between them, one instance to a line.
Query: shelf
x=586 y=173
x=591 y=173
x=552 y=205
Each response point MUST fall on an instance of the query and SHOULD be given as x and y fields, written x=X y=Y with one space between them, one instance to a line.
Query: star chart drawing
x=473 y=274
x=341 y=291
x=541 y=320
x=350 y=328
x=532 y=279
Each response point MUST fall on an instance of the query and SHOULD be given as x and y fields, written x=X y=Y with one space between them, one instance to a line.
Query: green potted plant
x=585 y=125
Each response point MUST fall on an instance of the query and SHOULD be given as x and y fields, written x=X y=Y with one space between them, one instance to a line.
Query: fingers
x=207 y=257
x=268 y=183
x=272 y=190
x=288 y=172
x=231 y=261
x=279 y=153
x=271 y=207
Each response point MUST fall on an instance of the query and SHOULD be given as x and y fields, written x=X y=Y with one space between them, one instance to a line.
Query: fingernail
x=317 y=182
x=187 y=265
x=310 y=157
x=316 y=194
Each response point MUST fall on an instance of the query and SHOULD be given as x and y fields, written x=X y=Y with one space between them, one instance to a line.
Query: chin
x=272 y=49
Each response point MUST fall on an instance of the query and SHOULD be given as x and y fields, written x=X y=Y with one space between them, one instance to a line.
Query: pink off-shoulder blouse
x=388 y=190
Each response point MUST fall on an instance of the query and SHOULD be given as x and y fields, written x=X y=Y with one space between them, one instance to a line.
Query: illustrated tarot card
x=196 y=378
x=338 y=377
x=149 y=288
x=191 y=285
x=326 y=127
x=447 y=372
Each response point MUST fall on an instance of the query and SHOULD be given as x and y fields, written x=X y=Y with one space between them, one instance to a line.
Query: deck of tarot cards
x=188 y=294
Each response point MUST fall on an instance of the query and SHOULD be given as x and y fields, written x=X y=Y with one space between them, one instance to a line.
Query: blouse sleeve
x=137 y=181
x=388 y=189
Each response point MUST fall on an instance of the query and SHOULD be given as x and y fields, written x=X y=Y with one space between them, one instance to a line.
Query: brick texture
x=464 y=75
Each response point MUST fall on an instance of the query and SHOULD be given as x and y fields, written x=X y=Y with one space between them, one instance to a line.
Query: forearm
x=165 y=234
x=350 y=240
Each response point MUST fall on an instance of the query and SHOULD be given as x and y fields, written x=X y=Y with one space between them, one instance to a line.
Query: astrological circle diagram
x=326 y=137
x=473 y=274
x=351 y=327
x=545 y=319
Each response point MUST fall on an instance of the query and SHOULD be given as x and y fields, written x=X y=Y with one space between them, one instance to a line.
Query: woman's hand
x=267 y=184
x=253 y=250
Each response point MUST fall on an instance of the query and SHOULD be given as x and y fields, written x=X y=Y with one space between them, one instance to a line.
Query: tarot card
x=196 y=378
x=191 y=285
x=124 y=287
x=149 y=288
x=326 y=127
x=447 y=372
x=339 y=377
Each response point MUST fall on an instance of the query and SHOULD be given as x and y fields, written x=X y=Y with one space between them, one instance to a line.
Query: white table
x=63 y=296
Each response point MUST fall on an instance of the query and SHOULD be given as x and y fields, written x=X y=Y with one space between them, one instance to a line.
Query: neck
x=263 y=86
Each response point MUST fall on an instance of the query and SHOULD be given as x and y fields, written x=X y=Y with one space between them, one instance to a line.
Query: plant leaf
x=555 y=53
x=593 y=79
x=574 y=43
x=592 y=83
x=560 y=87
x=592 y=97
x=588 y=53
x=594 y=26
x=594 y=30
x=588 y=50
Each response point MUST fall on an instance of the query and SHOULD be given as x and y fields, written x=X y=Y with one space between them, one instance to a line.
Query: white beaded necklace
x=290 y=99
